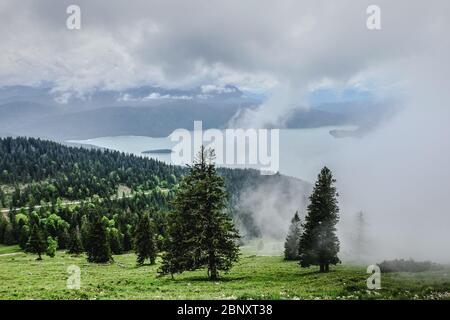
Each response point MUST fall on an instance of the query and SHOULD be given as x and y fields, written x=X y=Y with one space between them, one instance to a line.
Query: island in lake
x=343 y=133
x=165 y=151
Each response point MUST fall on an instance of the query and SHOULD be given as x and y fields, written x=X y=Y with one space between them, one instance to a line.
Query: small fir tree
x=291 y=246
x=98 y=249
x=75 y=245
x=145 y=240
x=36 y=242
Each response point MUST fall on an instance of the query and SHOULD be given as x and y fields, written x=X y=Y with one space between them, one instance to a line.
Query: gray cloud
x=178 y=43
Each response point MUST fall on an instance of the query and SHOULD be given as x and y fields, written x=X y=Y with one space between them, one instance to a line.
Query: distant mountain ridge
x=147 y=111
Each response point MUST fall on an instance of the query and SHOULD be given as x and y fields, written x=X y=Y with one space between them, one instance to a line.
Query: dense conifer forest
x=64 y=189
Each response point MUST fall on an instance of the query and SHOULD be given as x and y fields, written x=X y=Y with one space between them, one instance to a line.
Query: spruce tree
x=98 y=249
x=127 y=238
x=75 y=246
x=200 y=232
x=84 y=231
x=319 y=244
x=145 y=240
x=3 y=224
x=2 y=198
x=291 y=246
x=115 y=240
x=360 y=239
x=36 y=242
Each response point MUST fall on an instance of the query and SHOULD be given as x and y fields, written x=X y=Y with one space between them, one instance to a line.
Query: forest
x=64 y=188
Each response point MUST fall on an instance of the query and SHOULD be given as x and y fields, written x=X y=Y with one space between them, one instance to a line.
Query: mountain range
x=149 y=111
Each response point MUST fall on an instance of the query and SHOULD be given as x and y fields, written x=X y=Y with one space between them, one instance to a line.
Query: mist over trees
x=291 y=245
x=360 y=241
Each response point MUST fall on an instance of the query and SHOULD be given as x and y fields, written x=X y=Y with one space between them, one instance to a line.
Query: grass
x=254 y=277
x=4 y=249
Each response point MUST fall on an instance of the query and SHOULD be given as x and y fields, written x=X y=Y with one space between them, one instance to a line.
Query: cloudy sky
x=256 y=45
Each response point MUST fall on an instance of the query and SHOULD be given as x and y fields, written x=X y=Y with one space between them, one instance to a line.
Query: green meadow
x=253 y=277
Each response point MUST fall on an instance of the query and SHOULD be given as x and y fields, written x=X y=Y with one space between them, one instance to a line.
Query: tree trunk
x=212 y=268
x=322 y=267
x=39 y=256
x=213 y=274
x=327 y=267
x=212 y=271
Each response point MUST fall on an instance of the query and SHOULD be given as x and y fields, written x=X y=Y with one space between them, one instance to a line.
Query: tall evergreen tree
x=98 y=249
x=360 y=238
x=115 y=240
x=75 y=246
x=84 y=231
x=127 y=238
x=36 y=243
x=200 y=233
x=145 y=240
x=2 y=198
x=3 y=224
x=291 y=246
x=319 y=244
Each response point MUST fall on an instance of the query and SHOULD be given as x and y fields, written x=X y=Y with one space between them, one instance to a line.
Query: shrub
x=402 y=265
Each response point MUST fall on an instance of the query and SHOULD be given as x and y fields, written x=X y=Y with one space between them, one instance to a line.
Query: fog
x=282 y=198
x=398 y=174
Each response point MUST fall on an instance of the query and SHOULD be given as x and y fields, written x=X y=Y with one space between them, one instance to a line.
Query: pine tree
x=360 y=239
x=8 y=235
x=84 y=231
x=145 y=240
x=98 y=249
x=291 y=246
x=127 y=238
x=36 y=242
x=75 y=246
x=2 y=198
x=3 y=224
x=319 y=244
x=200 y=233
x=115 y=240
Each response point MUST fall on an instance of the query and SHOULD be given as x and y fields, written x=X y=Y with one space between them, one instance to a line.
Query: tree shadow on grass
x=206 y=279
x=315 y=272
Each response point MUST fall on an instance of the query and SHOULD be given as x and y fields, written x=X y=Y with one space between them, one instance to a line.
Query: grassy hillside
x=254 y=277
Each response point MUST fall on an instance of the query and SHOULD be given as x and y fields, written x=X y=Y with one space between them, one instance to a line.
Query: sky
x=285 y=48
x=289 y=51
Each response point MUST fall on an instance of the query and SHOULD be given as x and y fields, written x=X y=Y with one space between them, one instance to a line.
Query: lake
x=303 y=152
